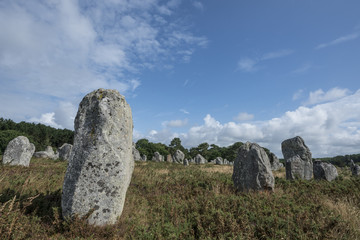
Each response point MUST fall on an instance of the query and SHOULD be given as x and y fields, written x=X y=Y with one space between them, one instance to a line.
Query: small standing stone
x=252 y=169
x=64 y=151
x=354 y=168
x=298 y=159
x=200 y=159
x=179 y=156
x=19 y=152
x=219 y=161
x=186 y=162
x=136 y=154
x=169 y=158
x=323 y=170
x=158 y=157
x=275 y=163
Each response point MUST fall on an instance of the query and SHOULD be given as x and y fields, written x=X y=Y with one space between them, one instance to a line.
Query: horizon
x=203 y=71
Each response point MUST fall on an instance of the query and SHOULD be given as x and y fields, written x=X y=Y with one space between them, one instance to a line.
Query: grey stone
x=298 y=159
x=323 y=170
x=275 y=163
x=157 y=157
x=200 y=159
x=48 y=153
x=219 y=161
x=252 y=169
x=179 y=156
x=186 y=162
x=101 y=162
x=19 y=152
x=354 y=168
x=143 y=158
x=65 y=151
x=136 y=154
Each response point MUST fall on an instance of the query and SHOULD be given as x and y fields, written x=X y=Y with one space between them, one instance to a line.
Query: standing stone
x=136 y=154
x=64 y=151
x=219 y=161
x=158 y=157
x=186 y=162
x=252 y=169
x=200 y=159
x=178 y=156
x=143 y=158
x=48 y=153
x=354 y=168
x=169 y=158
x=323 y=170
x=298 y=159
x=19 y=152
x=275 y=163
x=101 y=161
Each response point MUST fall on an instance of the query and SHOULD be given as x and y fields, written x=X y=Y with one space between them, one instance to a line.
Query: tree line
x=208 y=151
x=38 y=134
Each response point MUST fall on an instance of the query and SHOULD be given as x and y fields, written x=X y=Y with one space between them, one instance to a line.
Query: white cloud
x=243 y=116
x=339 y=40
x=319 y=96
x=56 y=51
x=47 y=119
x=329 y=129
x=250 y=64
x=175 y=123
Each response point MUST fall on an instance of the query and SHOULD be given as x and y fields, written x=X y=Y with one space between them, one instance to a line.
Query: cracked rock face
x=19 y=152
x=326 y=171
x=297 y=158
x=101 y=161
x=252 y=169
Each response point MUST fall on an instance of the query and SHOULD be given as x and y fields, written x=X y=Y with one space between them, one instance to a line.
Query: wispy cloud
x=175 y=123
x=243 y=116
x=298 y=94
x=247 y=64
x=303 y=69
x=198 y=5
x=56 y=51
x=319 y=96
x=339 y=40
x=184 y=111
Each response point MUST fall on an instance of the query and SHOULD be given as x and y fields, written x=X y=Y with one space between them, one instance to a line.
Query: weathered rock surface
x=252 y=169
x=157 y=157
x=200 y=159
x=64 y=151
x=169 y=158
x=219 y=161
x=326 y=171
x=186 y=162
x=143 y=158
x=48 y=153
x=136 y=154
x=354 y=168
x=179 y=156
x=298 y=159
x=101 y=162
x=19 y=152
x=275 y=163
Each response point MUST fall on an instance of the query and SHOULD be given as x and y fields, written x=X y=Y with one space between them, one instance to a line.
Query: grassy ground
x=170 y=201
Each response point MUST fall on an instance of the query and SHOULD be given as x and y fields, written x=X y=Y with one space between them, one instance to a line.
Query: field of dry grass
x=171 y=201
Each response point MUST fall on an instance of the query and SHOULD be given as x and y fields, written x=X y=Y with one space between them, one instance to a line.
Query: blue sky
x=205 y=71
